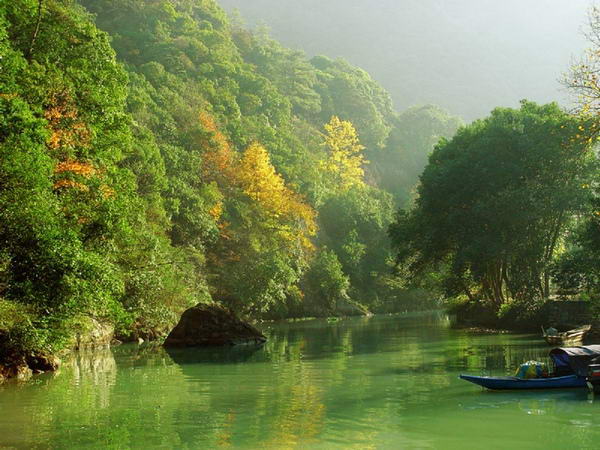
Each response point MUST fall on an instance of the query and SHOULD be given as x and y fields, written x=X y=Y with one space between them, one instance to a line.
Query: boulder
x=93 y=333
x=12 y=363
x=40 y=363
x=212 y=325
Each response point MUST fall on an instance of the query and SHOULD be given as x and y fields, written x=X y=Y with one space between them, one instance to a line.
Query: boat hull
x=506 y=383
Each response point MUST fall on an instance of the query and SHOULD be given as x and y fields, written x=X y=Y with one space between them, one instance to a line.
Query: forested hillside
x=468 y=56
x=154 y=155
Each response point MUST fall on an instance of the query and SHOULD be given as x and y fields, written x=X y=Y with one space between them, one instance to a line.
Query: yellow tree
x=345 y=163
x=259 y=180
x=218 y=163
x=218 y=158
x=266 y=244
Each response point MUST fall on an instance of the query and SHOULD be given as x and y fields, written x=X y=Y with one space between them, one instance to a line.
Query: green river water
x=379 y=382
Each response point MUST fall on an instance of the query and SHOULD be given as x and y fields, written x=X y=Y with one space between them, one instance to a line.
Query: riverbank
x=22 y=362
x=562 y=315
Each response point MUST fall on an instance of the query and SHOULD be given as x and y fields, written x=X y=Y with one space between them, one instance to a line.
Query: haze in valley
x=467 y=56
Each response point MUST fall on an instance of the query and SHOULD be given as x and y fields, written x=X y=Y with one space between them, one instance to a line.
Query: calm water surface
x=380 y=382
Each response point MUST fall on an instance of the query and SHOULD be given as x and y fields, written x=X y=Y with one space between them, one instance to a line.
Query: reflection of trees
x=384 y=381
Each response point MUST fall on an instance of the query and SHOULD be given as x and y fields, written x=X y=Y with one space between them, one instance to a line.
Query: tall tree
x=584 y=78
x=495 y=201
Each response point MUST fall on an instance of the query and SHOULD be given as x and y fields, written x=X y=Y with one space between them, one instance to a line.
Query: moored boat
x=568 y=338
x=570 y=371
x=504 y=383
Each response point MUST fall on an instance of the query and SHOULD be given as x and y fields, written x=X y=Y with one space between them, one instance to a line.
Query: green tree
x=351 y=94
x=495 y=202
x=578 y=270
x=354 y=225
x=325 y=284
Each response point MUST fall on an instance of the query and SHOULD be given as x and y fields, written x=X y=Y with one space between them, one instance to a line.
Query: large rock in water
x=212 y=325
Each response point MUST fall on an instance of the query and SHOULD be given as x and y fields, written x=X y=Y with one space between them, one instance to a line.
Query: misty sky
x=465 y=55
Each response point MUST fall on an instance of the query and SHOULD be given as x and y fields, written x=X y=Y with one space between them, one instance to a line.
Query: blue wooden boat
x=570 y=364
x=503 y=383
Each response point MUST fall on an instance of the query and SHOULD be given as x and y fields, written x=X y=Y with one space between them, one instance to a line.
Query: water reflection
x=367 y=382
x=228 y=355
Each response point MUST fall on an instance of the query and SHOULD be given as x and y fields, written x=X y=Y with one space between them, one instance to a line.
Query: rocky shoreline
x=23 y=366
x=204 y=325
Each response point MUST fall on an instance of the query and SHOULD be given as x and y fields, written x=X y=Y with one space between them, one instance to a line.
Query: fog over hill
x=468 y=56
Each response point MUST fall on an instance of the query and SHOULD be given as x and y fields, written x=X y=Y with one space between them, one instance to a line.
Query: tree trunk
x=468 y=292
x=36 y=31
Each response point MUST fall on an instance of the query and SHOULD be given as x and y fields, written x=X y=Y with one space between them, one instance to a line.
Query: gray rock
x=212 y=325
x=94 y=334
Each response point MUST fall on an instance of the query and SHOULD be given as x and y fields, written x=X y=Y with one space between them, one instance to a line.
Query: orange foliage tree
x=67 y=131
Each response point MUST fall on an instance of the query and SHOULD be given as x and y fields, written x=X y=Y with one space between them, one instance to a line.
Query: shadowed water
x=380 y=382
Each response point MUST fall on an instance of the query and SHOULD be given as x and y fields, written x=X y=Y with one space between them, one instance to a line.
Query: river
x=379 y=382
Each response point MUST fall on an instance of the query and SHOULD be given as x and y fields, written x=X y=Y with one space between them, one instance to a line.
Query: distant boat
x=568 y=338
x=571 y=369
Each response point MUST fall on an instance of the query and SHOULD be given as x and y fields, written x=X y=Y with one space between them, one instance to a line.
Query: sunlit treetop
x=345 y=161
x=264 y=185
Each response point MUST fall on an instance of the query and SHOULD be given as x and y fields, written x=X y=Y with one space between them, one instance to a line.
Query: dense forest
x=466 y=56
x=209 y=239
x=154 y=155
